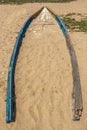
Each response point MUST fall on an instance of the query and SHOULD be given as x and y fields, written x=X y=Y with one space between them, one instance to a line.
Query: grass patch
x=74 y=25
x=30 y=1
x=82 y=25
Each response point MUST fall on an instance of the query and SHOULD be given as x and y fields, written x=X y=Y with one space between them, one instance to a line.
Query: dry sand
x=44 y=89
x=40 y=88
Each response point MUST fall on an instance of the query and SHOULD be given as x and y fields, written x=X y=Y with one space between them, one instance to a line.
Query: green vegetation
x=29 y=1
x=74 y=25
x=83 y=25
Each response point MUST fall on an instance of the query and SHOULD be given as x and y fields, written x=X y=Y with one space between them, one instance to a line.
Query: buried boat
x=77 y=104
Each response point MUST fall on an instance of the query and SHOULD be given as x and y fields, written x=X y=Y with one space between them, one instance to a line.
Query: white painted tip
x=45 y=15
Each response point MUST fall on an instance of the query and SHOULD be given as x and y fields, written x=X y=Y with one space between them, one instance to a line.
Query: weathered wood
x=77 y=103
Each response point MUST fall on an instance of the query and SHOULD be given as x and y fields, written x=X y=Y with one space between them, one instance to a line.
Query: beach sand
x=43 y=73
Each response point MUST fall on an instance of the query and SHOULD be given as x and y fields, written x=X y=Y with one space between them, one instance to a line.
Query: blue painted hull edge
x=10 y=97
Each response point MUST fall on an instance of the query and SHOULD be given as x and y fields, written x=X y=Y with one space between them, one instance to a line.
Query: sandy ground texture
x=40 y=88
x=44 y=89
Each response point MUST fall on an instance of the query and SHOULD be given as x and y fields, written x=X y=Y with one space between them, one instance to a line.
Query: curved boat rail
x=77 y=103
x=10 y=97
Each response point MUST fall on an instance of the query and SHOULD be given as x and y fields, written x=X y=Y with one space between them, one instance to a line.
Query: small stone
x=34 y=31
x=2 y=73
x=30 y=29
